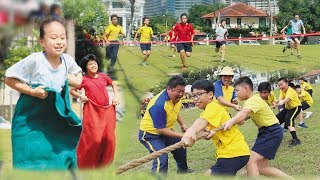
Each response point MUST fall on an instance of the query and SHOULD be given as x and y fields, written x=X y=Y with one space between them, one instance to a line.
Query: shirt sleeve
x=72 y=66
x=252 y=105
x=212 y=116
x=23 y=69
x=217 y=89
x=217 y=30
x=301 y=22
x=159 y=117
x=107 y=79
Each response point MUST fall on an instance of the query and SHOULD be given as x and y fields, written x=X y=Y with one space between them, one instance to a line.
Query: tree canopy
x=89 y=14
x=309 y=12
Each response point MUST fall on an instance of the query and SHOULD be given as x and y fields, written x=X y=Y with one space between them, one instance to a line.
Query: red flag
x=97 y=141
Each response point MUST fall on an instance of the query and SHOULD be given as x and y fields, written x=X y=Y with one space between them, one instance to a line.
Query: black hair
x=223 y=20
x=244 y=80
x=283 y=79
x=291 y=85
x=144 y=18
x=84 y=61
x=297 y=86
x=114 y=15
x=264 y=86
x=203 y=84
x=183 y=14
x=176 y=80
x=53 y=7
x=303 y=79
x=48 y=21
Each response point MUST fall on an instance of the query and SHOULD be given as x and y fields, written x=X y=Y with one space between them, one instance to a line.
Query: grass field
x=299 y=161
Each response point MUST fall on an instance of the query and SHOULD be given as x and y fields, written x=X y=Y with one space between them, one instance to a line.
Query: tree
x=89 y=14
x=132 y=2
x=91 y=19
x=308 y=11
x=197 y=11
x=158 y=23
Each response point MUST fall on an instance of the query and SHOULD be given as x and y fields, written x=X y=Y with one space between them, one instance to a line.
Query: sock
x=301 y=122
x=293 y=134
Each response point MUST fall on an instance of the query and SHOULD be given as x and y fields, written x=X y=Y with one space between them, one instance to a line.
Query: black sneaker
x=294 y=142
x=183 y=171
x=284 y=49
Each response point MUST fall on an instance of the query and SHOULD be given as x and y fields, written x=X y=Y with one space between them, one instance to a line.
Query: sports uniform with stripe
x=161 y=113
x=292 y=107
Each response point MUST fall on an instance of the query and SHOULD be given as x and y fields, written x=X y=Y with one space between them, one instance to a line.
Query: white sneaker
x=308 y=114
x=222 y=60
x=173 y=55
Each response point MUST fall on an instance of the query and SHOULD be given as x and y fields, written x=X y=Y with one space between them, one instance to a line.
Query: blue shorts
x=187 y=47
x=220 y=43
x=145 y=47
x=229 y=166
x=268 y=141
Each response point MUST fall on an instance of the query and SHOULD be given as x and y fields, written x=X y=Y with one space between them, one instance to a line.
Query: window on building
x=228 y=22
x=254 y=76
x=238 y=21
x=262 y=22
x=117 y=5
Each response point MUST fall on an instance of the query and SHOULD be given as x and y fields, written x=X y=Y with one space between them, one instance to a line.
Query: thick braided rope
x=155 y=154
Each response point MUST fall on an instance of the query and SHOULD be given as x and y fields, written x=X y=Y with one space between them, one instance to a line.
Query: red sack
x=97 y=140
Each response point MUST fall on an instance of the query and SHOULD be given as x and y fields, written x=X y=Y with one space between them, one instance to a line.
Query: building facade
x=123 y=10
x=259 y=4
x=175 y=7
x=238 y=15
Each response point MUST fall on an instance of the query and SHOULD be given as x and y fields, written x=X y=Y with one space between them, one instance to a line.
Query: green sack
x=45 y=132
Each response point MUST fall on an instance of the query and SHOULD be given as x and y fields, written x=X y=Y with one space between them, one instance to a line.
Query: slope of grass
x=302 y=160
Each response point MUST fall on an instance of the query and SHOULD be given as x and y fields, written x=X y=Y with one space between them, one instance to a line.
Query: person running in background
x=221 y=33
x=111 y=37
x=146 y=33
x=290 y=43
x=97 y=141
x=296 y=25
x=184 y=32
x=172 y=38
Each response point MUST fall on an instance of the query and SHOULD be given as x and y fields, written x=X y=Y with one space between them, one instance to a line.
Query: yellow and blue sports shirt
x=220 y=90
x=160 y=113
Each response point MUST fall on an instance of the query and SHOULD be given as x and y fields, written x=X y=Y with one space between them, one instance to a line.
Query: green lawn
x=301 y=161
